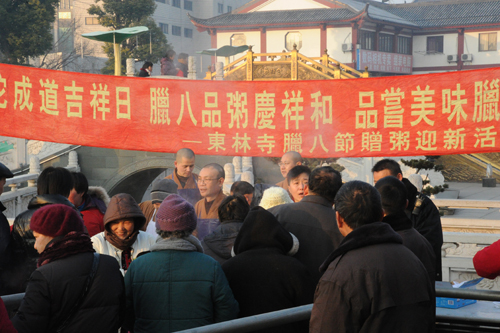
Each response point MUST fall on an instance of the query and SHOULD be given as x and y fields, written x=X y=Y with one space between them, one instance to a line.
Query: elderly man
x=312 y=220
x=210 y=183
x=421 y=210
x=366 y=282
x=288 y=161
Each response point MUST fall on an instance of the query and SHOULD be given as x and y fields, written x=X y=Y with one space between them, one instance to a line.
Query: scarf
x=122 y=244
x=62 y=247
x=189 y=243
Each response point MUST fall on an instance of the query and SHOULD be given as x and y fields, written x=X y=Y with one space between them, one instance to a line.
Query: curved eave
x=204 y=27
x=377 y=20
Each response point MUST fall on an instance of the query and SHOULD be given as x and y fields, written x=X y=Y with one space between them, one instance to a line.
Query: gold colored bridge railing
x=285 y=66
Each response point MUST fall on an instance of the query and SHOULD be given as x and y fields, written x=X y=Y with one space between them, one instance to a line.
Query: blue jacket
x=173 y=290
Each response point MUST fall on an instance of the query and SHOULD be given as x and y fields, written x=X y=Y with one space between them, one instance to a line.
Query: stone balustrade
x=23 y=187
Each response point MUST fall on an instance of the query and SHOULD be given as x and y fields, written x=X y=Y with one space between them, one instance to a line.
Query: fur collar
x=369 y=234
x=100 y=193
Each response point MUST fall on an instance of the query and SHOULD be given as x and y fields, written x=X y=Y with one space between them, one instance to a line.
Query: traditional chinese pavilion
x=389 y=39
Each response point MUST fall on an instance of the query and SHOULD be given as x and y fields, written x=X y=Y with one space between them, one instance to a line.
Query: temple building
x=390 y=39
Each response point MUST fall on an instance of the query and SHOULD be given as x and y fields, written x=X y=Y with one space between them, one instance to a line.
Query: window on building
x=188 y=33
x=65 y=35
x=367 y=40
x=162 y=1
x=65 y=4
x=229 y=9
x=164 y=27
x=91 y=21
x=238 y=40
x=488 y=41
x=188 y=5
x=293 y=38
x=220 y=8
x=435 y=44
x=385 y=43
x=404 y=45
x=176 y=31
x=176 y=3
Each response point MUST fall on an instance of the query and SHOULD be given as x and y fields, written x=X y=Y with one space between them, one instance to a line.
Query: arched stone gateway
x=136 y=177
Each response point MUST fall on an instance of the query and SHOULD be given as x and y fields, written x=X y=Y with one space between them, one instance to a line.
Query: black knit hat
x=5 y=172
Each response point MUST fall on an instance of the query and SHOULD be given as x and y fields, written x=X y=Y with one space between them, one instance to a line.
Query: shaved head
x=288 y=161
x=184 y=162
x=294 y=156
x=184 y=152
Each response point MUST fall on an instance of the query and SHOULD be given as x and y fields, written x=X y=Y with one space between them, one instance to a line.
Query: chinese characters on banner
x=435 y=114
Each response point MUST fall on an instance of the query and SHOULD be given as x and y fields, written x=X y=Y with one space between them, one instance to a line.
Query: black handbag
x=85 y=291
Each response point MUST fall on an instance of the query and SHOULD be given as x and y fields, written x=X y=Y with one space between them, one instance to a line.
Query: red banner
x=434 y=114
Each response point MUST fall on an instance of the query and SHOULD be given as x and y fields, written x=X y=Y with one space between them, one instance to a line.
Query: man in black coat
x=394 y=202
x=312 y=220
x=73 y=289
x=421 y=210
x=4 y=223
x=372 y=283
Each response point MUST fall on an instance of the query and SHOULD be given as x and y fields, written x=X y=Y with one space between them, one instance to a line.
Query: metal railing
x=300 y=313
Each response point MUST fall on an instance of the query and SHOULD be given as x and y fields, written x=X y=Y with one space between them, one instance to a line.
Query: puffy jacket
x=23 y=255
x=219 y=243
x=55 y=287
x=123 y=206
x=93 y=209
x=142 y=244
x=173 y=290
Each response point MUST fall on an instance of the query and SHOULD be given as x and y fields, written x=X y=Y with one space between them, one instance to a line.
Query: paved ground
x=475 y=191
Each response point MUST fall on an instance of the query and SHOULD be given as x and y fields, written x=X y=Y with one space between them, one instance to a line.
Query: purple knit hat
x=175 y=214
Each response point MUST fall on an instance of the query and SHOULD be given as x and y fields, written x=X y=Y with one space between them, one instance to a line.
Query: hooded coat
x=486 y=261
x=219 y=243
x=262 y=276
x=123 y=206
x=427 y=222
x=94 y=208
x=372 y=283
x=313 y=222
x=23 y=255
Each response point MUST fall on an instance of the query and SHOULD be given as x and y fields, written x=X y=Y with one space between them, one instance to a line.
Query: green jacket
x=173 y=290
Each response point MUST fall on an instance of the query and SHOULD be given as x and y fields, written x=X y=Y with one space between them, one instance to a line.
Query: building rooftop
x=420 y=14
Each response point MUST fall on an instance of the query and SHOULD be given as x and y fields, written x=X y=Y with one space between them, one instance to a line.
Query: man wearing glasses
x=210 y=182
x=288 y=161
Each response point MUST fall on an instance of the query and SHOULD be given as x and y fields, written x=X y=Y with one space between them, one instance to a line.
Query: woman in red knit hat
x=73 y=289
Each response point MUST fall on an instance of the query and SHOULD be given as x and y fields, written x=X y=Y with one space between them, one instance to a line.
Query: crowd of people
x=366 y=256
x=168 y=65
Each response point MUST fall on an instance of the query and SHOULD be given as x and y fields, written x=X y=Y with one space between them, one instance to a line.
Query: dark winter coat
x=219 y=243
x=175 y=287
x=23 y=255
x=413 y=240
x=4 y=239
x=262 y=276
x=313 y=222
x=55 y=287
x=373 y=284
x=427 y=223
x=144 y=73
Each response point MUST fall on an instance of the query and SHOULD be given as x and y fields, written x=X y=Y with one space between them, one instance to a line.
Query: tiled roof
x=421 y=14
x=277 y=17
x=449 y=13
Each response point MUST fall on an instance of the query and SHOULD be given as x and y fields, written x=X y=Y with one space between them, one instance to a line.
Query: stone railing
x=23 y=187
x=240 y=169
